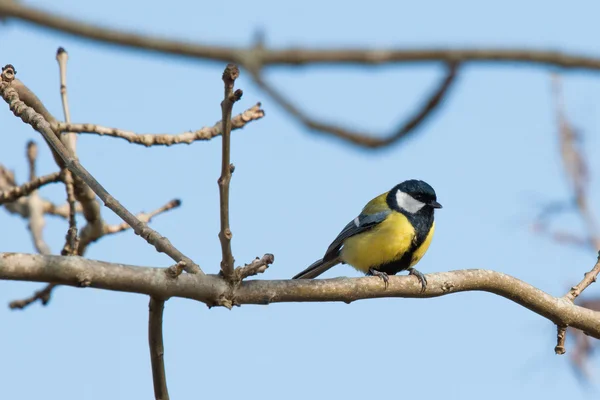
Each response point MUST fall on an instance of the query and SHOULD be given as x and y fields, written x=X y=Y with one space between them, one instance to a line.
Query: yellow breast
x=385 y=243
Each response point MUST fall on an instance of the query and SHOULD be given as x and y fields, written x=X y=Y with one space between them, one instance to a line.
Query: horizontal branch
x=210 y=289
x=261 y=56
x=149 y=139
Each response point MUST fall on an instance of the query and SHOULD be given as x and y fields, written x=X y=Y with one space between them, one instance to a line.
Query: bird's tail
x=316 y=269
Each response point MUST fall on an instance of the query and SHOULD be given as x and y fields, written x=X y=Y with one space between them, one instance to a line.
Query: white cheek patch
x=408 y=203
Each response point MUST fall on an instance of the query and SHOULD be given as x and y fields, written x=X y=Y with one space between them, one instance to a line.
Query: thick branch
x=261 y=56
x=29 y=116
x=149 y=139
x=155 y=342
x=210 y=289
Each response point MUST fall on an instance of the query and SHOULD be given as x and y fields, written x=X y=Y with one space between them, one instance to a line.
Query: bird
x=391 y=234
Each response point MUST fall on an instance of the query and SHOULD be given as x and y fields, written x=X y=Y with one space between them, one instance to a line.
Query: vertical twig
x=155 y=342
x=34 y=205
x=230 y=74
x=70 y=140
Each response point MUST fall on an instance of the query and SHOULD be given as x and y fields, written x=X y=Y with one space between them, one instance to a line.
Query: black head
x=413 y=196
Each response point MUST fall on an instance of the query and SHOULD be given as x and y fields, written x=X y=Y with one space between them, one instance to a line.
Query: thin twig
x=230 y=74
x=87 y=237
x=43 y=295
x=148 y=139
x=16 y=192
x=31 y=117
x=70 y=140
x=561 y=336
x=144 y=217
x=257 y=266
x=19 y=206
x=360 y=138
x=588 y=279
x=157 y=350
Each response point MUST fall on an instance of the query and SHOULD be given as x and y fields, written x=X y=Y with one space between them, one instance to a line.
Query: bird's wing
x=360 y=224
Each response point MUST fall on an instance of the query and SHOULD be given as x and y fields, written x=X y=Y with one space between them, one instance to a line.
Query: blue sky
x=490 y=152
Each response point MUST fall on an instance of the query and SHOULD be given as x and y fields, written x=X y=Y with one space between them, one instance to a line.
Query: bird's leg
x=422 y=279
x=382 y=275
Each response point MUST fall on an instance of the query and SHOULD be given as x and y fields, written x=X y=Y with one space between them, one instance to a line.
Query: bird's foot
x=422 y=279
x=382 y=275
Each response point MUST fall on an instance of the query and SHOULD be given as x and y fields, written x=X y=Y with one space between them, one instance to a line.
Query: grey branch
x=230 y=74
x=37 y=121
x=214 y=291
x=157 y=350
x=15 y=192
x=256 y=58
x=263 y=56
x=148 y=139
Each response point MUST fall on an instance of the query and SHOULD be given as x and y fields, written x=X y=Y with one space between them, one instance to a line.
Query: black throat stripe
x=422 y=221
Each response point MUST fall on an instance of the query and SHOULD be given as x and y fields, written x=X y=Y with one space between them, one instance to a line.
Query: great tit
x=391 y=234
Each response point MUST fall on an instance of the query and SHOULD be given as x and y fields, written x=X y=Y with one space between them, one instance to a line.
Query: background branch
x=364 y=139
x=15 y=192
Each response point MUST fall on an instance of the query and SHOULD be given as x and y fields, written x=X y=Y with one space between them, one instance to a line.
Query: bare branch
x=70 y=140
x=148 y=139
x=29 y=116
x=365 y=139
x=257 y=266
x=261 y=56
x=561 y=336
x=230 y=74
x=15 y=192
x=41 y=295
x=214 y=291
x=157 y=350
x=35 y=210
x=588 y=279
x=144 y=217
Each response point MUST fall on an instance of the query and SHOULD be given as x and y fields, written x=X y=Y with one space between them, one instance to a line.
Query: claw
x=382 y=275
x=422 y=279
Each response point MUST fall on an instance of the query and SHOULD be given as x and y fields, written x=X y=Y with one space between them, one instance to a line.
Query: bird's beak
x=435 y=204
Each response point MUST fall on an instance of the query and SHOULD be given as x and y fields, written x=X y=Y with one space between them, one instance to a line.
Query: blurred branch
x=34 y=205
x=19 y=206
x=230 y=74
x=576 y=169
x=575 y=164
x=15 y=192
x=261 y=56
x=43 y=295
x=365 y=139
x=239 y=121
x=157 y=350
x=37 y=121
x=214 y=291
x=256 y=58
